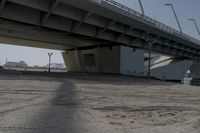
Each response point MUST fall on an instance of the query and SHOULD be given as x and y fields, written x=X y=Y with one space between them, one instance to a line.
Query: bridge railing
x=150 y=21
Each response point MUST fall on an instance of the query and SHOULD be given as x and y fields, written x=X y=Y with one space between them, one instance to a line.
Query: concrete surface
x=173 y=70
x=111 y=59
x=96 y=104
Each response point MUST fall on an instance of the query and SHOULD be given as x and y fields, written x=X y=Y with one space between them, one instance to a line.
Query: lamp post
x=6 y=60
x=150 y=43
x=50 y=54
x=149 y=64
x=172 y=7
x=141 y=6
x=195 y=23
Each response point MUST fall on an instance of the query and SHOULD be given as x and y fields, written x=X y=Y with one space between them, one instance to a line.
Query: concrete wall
x=109 y=59
x=72 y=61
x=127 y=61
x=173 y=71
x=131 y=61
x=89 y=68
x=114 y=59
x=195 y=70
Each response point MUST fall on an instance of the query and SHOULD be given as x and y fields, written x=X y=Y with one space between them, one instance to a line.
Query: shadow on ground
x=87 y=78
x=58 y=115
x=57 y=110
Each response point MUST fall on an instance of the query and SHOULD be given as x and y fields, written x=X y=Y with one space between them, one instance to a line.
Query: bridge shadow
x=62 y=110
x=58 y=114
x=91 y=78
x=57 y=110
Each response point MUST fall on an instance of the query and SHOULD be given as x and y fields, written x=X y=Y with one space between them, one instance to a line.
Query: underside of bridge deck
x=118 y=35
x=90 y=23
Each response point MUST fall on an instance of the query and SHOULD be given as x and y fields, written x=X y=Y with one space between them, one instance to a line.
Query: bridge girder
x=63 y=16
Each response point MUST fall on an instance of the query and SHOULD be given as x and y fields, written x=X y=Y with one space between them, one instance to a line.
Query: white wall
x=131 y=62
x=173 y=71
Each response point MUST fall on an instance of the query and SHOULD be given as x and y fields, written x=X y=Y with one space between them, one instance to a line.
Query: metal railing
x=150 y=21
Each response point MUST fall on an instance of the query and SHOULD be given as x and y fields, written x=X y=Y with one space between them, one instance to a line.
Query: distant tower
x=6 y=60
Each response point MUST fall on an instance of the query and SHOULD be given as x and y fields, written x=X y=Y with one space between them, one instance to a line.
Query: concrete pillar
x=171 y=69
x=109 y=59
x=195 y=70
x=131 y=61
x=72 y=61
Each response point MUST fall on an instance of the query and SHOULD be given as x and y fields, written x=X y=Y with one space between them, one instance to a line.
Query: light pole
x=149 y=64
x=6 y=60
x=195 y=23
x=141 y=6
x=50 y=54
x=150 y=43
x=169 y=4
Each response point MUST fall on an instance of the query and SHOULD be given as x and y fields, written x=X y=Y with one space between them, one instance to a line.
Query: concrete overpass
x=97 y=35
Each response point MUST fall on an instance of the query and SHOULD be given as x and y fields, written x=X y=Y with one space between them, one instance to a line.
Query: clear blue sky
x=154 y=8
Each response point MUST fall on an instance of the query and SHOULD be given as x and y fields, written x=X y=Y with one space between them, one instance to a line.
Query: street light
x=6 y=60
x=195 y=23
x=50 y=54
x=169 y=4
x=141 y=6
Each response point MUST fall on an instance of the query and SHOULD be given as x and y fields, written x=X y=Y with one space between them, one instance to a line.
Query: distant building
x=36 y=66
x=20 y=64
x=1 y=68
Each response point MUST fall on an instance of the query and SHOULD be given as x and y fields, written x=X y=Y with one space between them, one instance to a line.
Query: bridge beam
x=126 y=30
x=52 y=6
x=2 y=4
x=85 y=16
x=107 y=25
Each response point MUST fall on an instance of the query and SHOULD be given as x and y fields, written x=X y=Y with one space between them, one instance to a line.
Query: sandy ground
x=96 y=104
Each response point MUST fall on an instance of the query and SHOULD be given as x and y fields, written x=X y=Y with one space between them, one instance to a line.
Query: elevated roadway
x=92 y=25
x=90 y=22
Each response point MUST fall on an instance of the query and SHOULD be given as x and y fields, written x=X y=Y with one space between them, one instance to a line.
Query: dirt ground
x=83 y=103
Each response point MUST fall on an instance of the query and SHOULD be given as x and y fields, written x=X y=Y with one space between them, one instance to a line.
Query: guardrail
x=151 y=21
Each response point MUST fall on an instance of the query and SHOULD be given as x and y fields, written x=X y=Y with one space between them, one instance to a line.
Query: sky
x=156 y=9
x=32 y=56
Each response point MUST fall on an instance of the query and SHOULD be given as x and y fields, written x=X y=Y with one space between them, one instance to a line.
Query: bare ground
x=96 y=104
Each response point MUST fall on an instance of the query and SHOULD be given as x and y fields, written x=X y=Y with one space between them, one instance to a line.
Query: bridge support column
x=171 y=69
x=131 y=61
x=195 y=71
x=72 y=61
x=110 y=59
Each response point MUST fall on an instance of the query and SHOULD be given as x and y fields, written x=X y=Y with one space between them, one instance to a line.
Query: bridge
x=99 y=36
